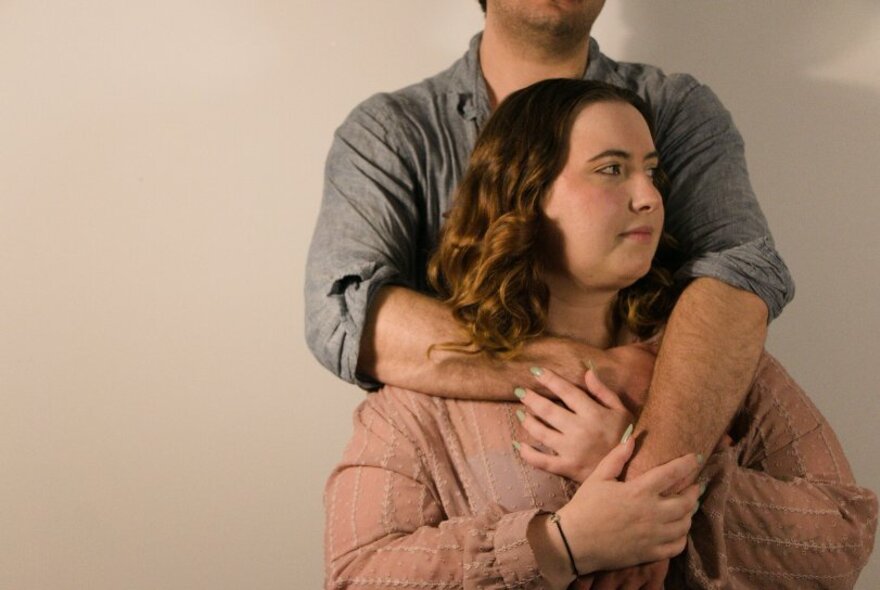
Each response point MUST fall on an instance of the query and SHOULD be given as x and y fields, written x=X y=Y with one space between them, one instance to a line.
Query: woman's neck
x=582 y=315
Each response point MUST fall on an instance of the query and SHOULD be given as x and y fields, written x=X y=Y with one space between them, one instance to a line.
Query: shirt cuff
x=335 y=322
x=754 y=266
x=513 y=553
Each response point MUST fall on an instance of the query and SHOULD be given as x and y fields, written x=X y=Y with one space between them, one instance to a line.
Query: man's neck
x=509 y=64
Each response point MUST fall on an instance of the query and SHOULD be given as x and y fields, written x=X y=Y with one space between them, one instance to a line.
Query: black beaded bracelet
x=555 y=518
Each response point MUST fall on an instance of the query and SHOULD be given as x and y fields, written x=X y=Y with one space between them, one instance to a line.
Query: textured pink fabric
x=430 y=494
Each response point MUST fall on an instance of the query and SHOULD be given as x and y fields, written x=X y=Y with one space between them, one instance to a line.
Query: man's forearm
x=707 y=361
x=402 y=324
x=400 y=327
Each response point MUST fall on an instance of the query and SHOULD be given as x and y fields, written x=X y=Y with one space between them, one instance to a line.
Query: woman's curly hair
x=487 y=266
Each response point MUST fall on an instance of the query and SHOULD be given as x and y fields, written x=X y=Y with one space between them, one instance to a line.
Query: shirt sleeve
x=781 y=509
x=365 y=234
x=386 y=526
x=711 y=207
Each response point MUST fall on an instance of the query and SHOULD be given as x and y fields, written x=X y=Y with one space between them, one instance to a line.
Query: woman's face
x=604 y=214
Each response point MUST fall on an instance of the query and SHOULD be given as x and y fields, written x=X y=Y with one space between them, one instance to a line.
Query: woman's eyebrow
x=622 y=154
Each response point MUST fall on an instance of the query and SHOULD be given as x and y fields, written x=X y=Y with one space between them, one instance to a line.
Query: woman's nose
x=645 y=196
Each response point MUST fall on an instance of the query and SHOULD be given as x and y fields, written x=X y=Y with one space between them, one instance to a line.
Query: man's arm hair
x=715 y=335
x=402 y=324
x=707 y=361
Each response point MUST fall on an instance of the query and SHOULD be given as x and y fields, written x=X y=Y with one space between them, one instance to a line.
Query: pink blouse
x=430 y=494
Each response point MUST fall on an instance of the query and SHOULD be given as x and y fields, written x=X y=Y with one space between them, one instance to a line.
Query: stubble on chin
x=552 y=33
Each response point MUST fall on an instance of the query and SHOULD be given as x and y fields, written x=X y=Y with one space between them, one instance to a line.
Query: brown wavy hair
x=487 y=266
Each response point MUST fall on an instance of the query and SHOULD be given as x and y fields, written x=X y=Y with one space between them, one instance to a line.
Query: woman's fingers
x=571 y=395
x=612 y=464
x=673 y=531
x=669 y=475
x=549 y=412
x=676 y=508
x=671 y=549
x=539 y=460
x=539 y=431
x=602 y=392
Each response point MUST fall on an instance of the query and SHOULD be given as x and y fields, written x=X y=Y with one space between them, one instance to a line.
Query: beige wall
x=162 y=424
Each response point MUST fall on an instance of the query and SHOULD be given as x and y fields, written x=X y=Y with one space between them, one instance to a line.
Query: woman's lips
x=640 y=234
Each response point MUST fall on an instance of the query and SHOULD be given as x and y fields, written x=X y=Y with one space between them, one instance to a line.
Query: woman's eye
x=611 y=170
x=652 y=172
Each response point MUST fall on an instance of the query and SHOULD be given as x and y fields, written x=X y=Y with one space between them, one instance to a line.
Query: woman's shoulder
x=401 y=412
x=771 y=373
x=429 y=418
x=774 y=387
x=398 y=399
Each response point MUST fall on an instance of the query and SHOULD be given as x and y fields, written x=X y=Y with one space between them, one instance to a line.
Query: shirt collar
x=469 y=84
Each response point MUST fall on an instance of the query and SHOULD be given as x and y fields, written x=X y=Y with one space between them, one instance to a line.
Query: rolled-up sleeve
x=711 y=207
x=365 y=233
x=754 y=266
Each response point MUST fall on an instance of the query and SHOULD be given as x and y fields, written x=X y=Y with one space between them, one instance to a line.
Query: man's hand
x=628 y=371
x=582 y=583
x=580 y=432
x=648 y=576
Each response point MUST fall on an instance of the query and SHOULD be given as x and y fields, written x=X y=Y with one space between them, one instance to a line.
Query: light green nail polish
x=537 y=371
x=516 y=445
x=519 y=392
x=590 y=366
x=702 y=488
x=700 y=459
x=520 y=415
x=697 y=507
x=626 y=434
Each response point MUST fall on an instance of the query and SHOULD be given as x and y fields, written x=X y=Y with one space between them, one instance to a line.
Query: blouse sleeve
x=386 y=526
x=781 y=509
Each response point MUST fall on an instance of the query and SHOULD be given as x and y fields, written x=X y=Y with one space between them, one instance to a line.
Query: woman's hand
x=580 y=433
x=611 y=524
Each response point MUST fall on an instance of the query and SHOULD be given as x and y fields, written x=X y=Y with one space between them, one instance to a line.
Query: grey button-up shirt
x=397 y=159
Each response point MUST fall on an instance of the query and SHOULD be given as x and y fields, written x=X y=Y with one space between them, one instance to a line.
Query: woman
x=554 y=230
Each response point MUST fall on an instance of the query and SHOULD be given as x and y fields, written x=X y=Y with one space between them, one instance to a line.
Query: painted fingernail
x=520 y=415
x=700 y=459
x=516 y=445
x=626 y=434
x=590 y=365
x=702 y=488
x=519 y=392
x=697 y=507
x=537 y=371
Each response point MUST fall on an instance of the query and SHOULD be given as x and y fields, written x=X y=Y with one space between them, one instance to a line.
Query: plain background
x=162 y=424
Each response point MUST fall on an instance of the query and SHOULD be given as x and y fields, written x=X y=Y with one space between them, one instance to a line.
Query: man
x=393 y=169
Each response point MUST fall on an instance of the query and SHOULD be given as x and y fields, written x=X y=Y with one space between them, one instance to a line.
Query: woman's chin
x=632 y=275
